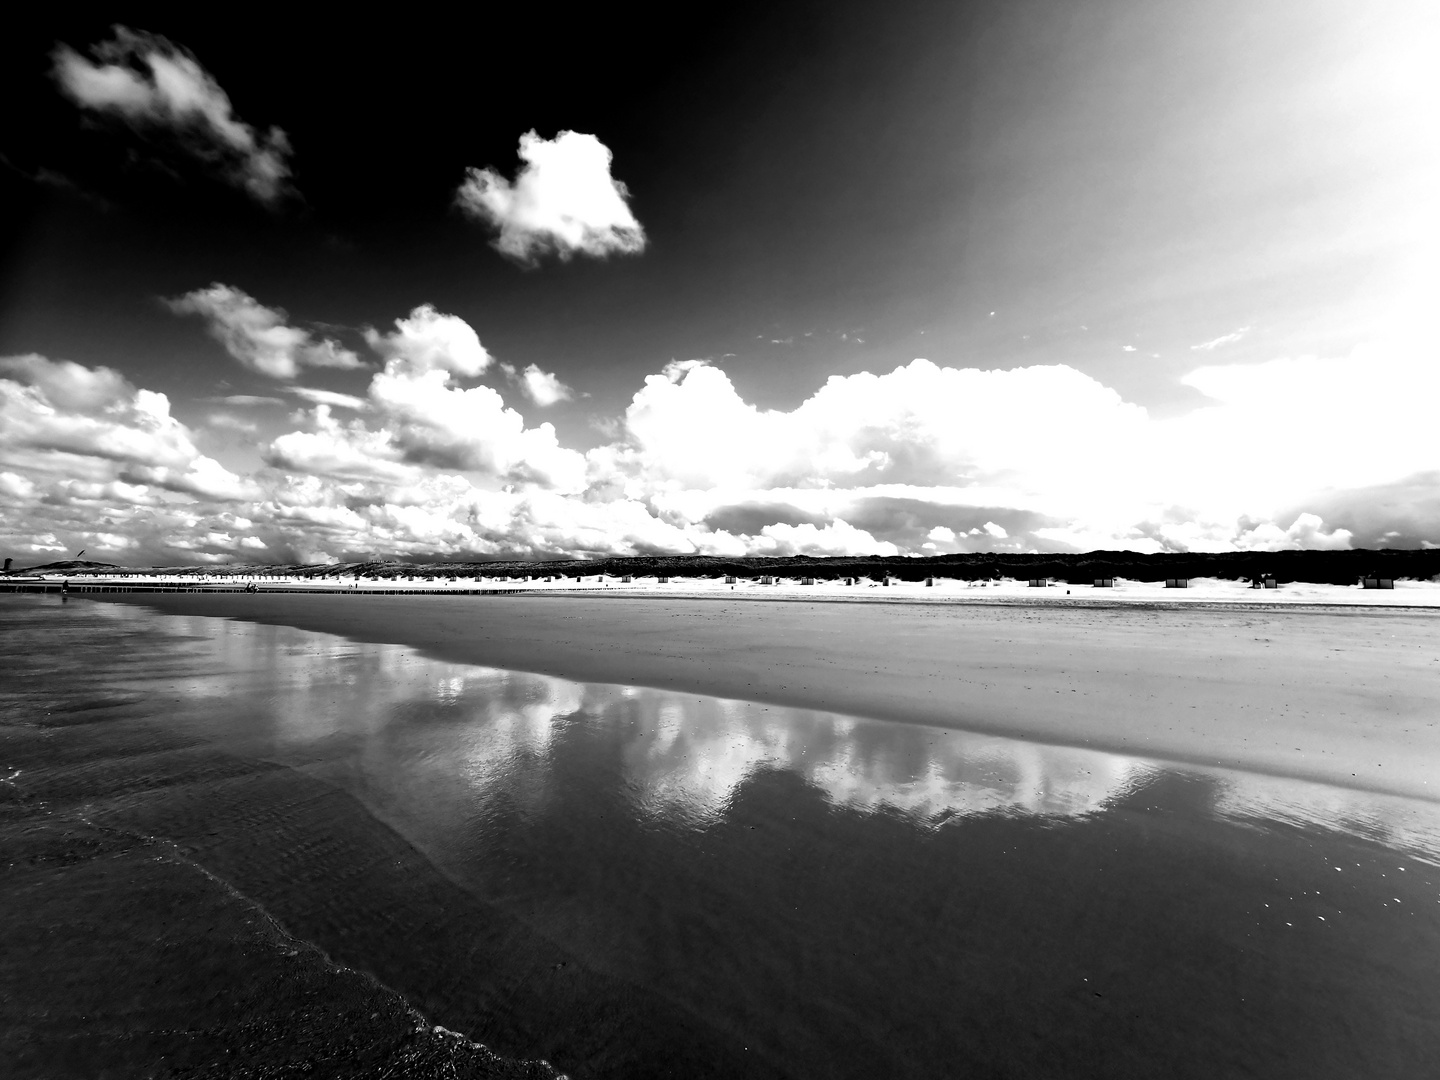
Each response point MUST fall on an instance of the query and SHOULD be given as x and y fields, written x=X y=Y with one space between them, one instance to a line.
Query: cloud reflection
x=424 y=729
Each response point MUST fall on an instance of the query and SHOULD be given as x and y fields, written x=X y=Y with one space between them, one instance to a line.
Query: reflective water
x=749 y=889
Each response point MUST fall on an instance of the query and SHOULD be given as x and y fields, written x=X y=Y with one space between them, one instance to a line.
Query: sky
x=837 y=278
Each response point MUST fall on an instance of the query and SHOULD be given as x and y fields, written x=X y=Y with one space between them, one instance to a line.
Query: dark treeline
x=1320 y=567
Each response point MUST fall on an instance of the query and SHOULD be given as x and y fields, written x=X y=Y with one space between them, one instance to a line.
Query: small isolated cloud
x=563 y=201
x=1222 y=340
x=1127 y=348
x=995 y=530
x=941 y=534
x=226 y=422
x=258 y=336
x=244 y=400
x=542 y=387
x=155 y=86
x=431 y=341
x=328 y=397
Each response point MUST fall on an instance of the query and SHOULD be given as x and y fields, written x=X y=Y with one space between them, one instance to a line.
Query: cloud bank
x=426 y=459
x=563 y=201
x=159 y=88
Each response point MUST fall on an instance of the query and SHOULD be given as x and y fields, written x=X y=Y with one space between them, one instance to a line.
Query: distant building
x=1104 y=583
x=1378 y=583
x=1177 y=583
x=1264 y=581
x=1039 y=582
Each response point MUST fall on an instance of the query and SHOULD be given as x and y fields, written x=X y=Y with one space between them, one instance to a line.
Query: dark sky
x=825 y=189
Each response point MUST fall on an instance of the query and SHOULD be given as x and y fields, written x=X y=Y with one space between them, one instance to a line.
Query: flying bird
x=79 y=553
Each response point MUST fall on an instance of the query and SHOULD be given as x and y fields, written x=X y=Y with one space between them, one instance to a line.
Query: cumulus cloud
x=837 y=538
x=259 y=336
x=344 y=451
x=1307 y=532
x=157 y=86
x=85 y=454
x=1284 y=455
x=422 y=417
x=429 y=341
x=919 y=424
x=563 y=201
x=542 y=387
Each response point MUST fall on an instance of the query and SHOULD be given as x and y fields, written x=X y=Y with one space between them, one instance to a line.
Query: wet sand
x=179 y=905
x=237 y=849
x=1347 y=696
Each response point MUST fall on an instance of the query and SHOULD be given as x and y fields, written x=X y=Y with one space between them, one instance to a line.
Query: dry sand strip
x=1343 y=696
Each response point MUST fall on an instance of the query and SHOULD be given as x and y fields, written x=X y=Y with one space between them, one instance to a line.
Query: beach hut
x=1039 y=582
x=729 y=579
x=628 y=578
x=807 y=581
x=664 y=580
x=1177 y=583
x=1104 y=583
x=929 y=582
x=1378 y=583
x=849 y=581
x=1264 y=581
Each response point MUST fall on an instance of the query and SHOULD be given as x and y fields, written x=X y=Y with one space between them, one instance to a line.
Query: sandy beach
x=291 y=850
x=1343 y=695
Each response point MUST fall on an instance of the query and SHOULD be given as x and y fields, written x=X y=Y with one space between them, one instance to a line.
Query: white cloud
x=835 y=538
x=245 y=400
x=1307 y=532
x=328 y=397
x=1222 y=340
x=77 y=433
x=345 y=451
x=563 y=201
x=153 y=85
x=542 y=387
x=226 y=422
x=429 y=341
x=258 y=336
x=1295 y=453
x=422 y=418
